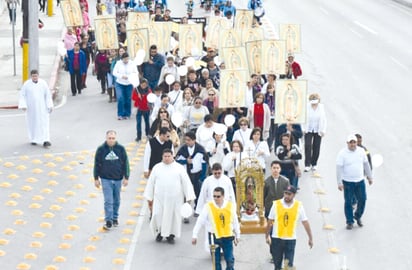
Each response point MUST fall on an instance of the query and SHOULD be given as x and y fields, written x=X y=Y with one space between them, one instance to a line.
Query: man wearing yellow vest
x=221 y=221
x=283 y=217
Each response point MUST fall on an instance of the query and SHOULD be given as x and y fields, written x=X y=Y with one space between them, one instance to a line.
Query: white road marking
x=355 y=32
x=364 y=27
x=324 y=10
x=399 y=63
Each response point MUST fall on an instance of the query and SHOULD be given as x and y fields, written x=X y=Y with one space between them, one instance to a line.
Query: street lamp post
x=13 y=25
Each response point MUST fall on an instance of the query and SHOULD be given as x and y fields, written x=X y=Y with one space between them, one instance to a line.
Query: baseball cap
x=351 y=138
x=290 y=189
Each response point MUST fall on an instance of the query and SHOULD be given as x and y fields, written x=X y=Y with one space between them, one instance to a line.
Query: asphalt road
x=356 y=56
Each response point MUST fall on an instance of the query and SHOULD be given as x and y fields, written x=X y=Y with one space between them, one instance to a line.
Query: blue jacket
x=82 y=61
x=152 y=71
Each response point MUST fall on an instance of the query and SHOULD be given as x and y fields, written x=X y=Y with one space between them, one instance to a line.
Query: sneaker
x=349 y=226
x=46 y=144
x=306 y=169
x=314 y=168
x=33 y=143
x=115 y=223
x=359 y=222
x=171 y=239
x=186 y=221
x=159 y=238
x=119 y=118
x=137 y=140
x=107 y=226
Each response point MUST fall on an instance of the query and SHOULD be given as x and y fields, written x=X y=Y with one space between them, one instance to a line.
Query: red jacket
x=296 y=70
x=139 y=96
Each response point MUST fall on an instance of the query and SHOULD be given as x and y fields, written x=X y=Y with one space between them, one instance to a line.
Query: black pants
x=272 y=134
x=76 y=82
x=312 y=148
x=195 y=179
x=12 y=12
x=42 y=4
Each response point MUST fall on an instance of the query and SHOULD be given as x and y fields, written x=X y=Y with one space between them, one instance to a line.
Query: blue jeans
x=226 y=244
x=124 y=99
x=291 y=175
x=283 y=248
x=145 y=115
x=355 y=190
x=111 y=194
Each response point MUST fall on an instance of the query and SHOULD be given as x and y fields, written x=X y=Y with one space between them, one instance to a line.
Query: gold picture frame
x=254 y=56
x=273 y=56
x=138 y=39
x=72 y=13
x=235 y=58
x=137 y=20
x=243 y=19
x=106 y=32
x=215 y=26
x=292 y=35
x=233 y=86
x=291 y=101
x=159 y=34
x=190 y=39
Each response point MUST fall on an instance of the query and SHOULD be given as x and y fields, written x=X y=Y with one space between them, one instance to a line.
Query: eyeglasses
x=198 y=102
x=217 y=196
x=211 y=95
x=163 y=111
x=111 y=138
x=242 y=124
x=217 y=173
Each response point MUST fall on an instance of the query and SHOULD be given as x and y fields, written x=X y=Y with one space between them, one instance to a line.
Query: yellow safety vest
x=286 y=219
x=221 y=219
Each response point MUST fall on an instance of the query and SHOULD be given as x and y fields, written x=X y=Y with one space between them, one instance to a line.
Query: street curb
x=405 y=3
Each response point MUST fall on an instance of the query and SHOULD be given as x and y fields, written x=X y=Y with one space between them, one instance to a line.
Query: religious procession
x=225 y=114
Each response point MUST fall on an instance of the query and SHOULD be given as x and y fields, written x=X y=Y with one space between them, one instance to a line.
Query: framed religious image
x=106 y=32
x=159 y=34
x=72 y=14
x=229 y=38
x=136 y=20
x=138 y=39
x=190 y=39
x=291 y=34
x=254 y=56
x=235 y=58
x=215 y=27
x=233 y=86
x=291 y=101
x=243 y=19
x=273 y=56
x=252 y=34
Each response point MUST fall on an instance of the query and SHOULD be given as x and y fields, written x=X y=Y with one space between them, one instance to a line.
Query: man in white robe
x=166 y=190
x=36 y=100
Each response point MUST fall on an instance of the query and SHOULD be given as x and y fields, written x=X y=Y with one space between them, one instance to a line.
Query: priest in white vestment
x=36 y=100
x=166 y=190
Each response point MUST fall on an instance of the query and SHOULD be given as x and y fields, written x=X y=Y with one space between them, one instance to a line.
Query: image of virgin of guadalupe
x=249 y=205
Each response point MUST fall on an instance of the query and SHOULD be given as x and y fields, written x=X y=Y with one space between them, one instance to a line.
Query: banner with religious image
x=233 y=87
x=252 y=34
x=136 y=20
x=106 y=32
x=72 y=13
x=214 y=27
x=273 y=56
x=229 y=38
x=254 y=56
x=159 y=34
x=138 y=39
x=190 y=39
x=235 y=58
x=291 y=33
x=243 y=19
x=291 y=101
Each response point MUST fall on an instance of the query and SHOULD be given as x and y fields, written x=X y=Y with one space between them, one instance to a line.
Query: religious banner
x=233 y=87
x=273 y=56
x=235 y=58
x=215 y=26
x=291 y=101
x=291 y=33
x=72 y=14
x=138 y=39
x=254 y=56
x=136 y=20
x=106 y=32
x=229 y=38
x=190 y=40
x=243 y=19
x=159 y=34
x=252 y=34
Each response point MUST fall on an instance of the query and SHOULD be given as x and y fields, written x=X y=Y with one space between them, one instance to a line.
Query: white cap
x=351 y=138
x=314 y=101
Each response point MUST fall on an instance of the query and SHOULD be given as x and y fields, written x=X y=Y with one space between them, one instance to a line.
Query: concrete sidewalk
x=49 y=60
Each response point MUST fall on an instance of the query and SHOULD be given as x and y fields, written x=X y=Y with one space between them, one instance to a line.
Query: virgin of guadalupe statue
x=290 y=101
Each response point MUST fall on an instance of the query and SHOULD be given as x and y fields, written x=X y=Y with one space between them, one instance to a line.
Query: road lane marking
x=355 y=32
x=364 y=27
x=399 y=63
